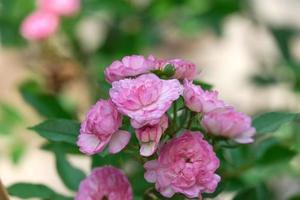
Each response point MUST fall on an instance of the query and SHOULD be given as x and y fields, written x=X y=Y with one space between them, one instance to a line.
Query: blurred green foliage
x=133 y=29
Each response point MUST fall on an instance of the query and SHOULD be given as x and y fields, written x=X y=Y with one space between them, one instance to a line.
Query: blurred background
x=248 y=49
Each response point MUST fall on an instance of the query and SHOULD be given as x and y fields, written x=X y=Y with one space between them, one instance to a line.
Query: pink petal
x=147 y=149
x=90 y=144
x=118 y=141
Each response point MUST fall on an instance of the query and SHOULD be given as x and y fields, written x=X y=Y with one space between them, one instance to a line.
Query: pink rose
x=60 y=7
x=105 y=183
x=186 y=165
x=184 y=69
x=39 y=25
x=199 y=100
x=129 y=66
x=226 y=122
x=100 y=128
x=146 y=98
x=150 y=135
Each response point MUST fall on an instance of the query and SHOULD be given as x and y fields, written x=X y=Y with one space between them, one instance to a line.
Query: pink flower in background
x=129 y=66
x=150 y=135
x=100 y=128
x=186 y=165
x=199 y=100
x=184 y=69
x=105 y=183
x=226 y=122
x=60 y=7
x=146 y=98
x=39 y=25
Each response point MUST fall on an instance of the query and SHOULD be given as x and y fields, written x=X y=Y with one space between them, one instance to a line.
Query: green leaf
x=260 y=192
x=58 y=130
x=62 y=146
x=275 y=154
x=45 y=104
x=70 y=175
x=204 y=85
x=296 y=197
x=269 y=122
x=169 y=70
x=27 y=190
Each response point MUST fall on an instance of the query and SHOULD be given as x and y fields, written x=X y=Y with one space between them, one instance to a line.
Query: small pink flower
x=129 y=66
x=100 y=128
x=39 y=25
x=60 y=7
x=105 y=183
x=184 y=69
x=146 y=98
x=186 y=165
x=150 y=135
x=199 y=100
x=227 y=122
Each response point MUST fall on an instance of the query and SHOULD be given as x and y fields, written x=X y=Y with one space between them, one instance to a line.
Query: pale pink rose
x=129 y=66
x=150 y=135
x=39 y=25
x=100 y=127
x=146 y=98
x=60 y=7
x=186 y=165
x=199 y=100
x=184 y=69
x=105 y=183
x=228 y=123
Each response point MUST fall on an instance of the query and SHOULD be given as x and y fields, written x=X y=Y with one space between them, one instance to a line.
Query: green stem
x=175 y=116
x=190 y=120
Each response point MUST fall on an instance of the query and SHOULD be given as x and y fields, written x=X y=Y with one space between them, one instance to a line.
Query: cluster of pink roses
x=186 y=163
x=45 y=20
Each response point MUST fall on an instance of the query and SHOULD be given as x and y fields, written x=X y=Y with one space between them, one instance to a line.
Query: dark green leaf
x=70 y=175
x=269 y=122
x=45 y=104
x=58 y=130
x=27 y=190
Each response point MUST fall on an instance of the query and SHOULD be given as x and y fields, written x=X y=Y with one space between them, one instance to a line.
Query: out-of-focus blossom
x=199 y=100
x=100 y=127
x=186 y=165
x=146 y=98
x=150 y=135
x=39 y=25
x=129 y=66
x=228 y=123
x=105 y=183
x=184 y=69
x=60 y=7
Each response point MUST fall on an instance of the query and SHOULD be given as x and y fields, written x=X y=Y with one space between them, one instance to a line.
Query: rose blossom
x=129 y=66
x=184 y=69
x=100 y=128
x=186 y=165
x=199 y=100
x=60 y=7
x=105 y=183
x=150 y=135
x=227 y=122
x=146 y=98
x=39 y=25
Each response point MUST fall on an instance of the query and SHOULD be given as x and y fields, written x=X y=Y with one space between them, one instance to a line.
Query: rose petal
x=118 y=141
